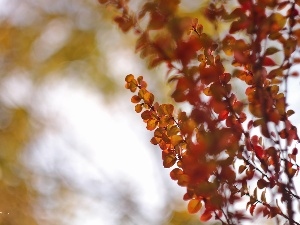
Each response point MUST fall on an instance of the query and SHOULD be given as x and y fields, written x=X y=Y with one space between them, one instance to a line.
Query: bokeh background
x=72 y=149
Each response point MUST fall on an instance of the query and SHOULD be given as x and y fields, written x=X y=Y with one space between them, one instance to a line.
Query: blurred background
x=72 y=149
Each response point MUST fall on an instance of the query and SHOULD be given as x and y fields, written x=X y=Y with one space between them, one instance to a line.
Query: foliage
x=225 y=149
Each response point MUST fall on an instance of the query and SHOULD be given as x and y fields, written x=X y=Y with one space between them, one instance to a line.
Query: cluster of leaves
x=225 y=145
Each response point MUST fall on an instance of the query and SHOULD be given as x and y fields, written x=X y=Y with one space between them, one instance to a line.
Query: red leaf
x=295 y=151
x=269 y=62
x=259 y=151
x=206 y=216
x=250 y=125
x=283 y=5
x=252 y=209
x=223 y=115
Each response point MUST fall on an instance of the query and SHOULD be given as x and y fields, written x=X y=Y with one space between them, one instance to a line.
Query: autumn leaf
x=253 y=132
x=169 y=161
x=205 y=216
x=271 y=51
x=252 y=207
x=194 y=205
x=242 y=168
x=268 y=62
x=176 y=139
x=261 y=184
x=175 y=173
x=139 y=108
x=152 y=124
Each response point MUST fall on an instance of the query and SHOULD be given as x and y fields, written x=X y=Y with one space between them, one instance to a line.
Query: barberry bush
x=227 y=149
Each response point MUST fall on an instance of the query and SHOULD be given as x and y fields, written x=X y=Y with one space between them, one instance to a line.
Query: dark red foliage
x=215 y=151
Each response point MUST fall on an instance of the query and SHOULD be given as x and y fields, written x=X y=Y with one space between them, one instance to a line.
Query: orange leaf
x=139 y=108
x=140 y=79
x=146 y=115
x=151 y=124
x=155 y=140
x=148 y=98
x=194 y=205
x=135 y=99
x=165 y=109
x=129 y=78
x=165 y=121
